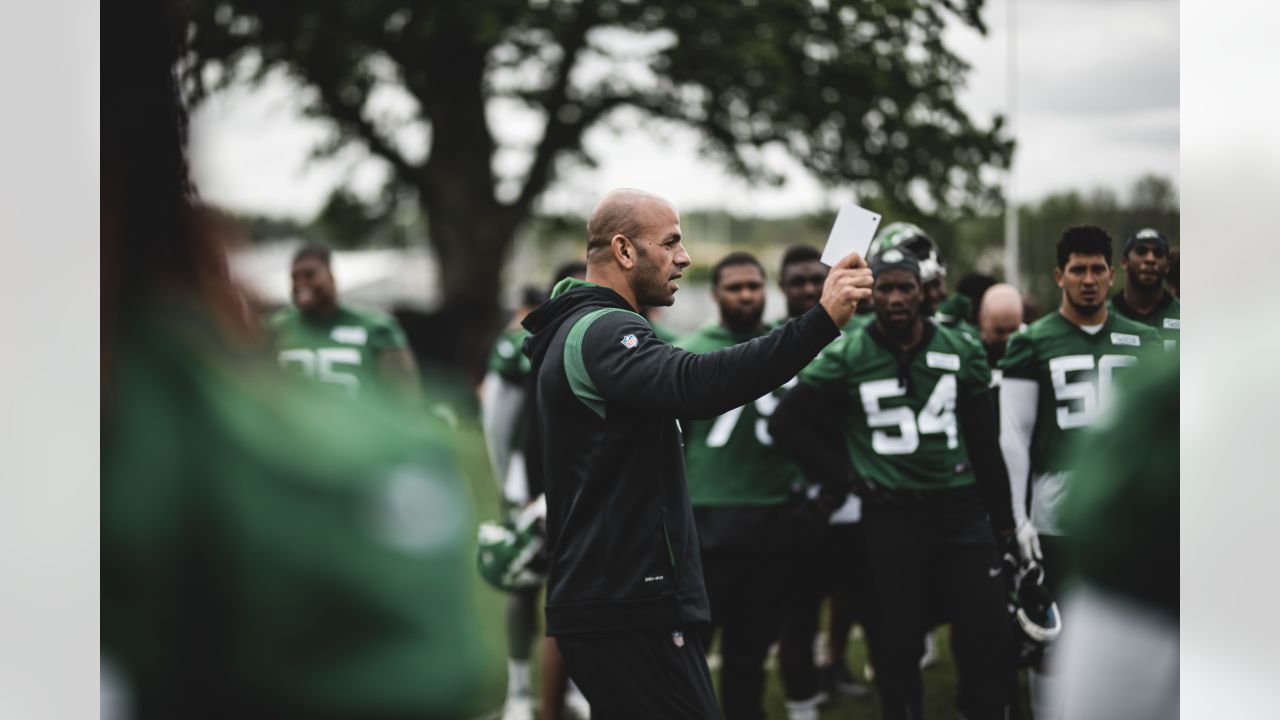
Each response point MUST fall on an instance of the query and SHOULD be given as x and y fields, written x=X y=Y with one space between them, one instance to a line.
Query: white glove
x=1028 y=542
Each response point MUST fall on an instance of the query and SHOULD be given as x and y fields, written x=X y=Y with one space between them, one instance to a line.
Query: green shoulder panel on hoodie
x=576 y=368
x=568 y=284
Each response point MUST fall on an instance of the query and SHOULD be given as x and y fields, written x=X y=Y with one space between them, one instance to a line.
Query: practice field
x=939 y=688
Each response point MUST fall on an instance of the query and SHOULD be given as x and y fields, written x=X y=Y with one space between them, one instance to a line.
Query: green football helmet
x=512 y=556
x=910 y=237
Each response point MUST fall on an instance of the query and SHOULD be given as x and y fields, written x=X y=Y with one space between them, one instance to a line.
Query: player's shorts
x=643 y=674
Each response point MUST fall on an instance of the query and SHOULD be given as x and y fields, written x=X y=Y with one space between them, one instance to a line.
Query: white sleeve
x=1018 y=398
x=501 y=403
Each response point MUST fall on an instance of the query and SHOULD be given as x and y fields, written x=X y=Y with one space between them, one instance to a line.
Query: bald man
x=999 y=316
x=625 y=594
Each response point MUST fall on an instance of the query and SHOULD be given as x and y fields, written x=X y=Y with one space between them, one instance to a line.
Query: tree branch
x=351 y=118
x=558 y=134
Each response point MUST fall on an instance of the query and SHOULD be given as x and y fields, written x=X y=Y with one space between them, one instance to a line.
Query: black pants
x=1054 y=549
x=930 y=553
x=748 y=556
x=642 y=675
x=833 y=563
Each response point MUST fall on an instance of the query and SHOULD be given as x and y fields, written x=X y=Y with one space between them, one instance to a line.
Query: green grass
x=939 y=687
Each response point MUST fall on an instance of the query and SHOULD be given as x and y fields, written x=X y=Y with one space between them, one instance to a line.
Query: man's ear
x=1057 y=276
x=624 y=251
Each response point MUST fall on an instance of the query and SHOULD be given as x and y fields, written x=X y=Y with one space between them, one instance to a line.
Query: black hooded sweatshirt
x=620 y=534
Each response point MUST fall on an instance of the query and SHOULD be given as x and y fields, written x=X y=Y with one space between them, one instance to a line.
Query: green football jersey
x=904 y=435
x=730 y=460
x=292 y=548
x=340 y=350
x=1166 y=319
x=507 y=357
x=1076 y=373
x=956 y=312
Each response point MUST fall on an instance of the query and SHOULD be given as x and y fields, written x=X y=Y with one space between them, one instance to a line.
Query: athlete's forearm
x=500 y=405
x=977 y=416
x=1018 y=398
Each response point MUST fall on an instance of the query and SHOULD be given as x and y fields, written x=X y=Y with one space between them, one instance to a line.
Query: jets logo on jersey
x=1172 y=323
x=943 y=361
x=1125 y=339
x=629 y=341
x=350 y=335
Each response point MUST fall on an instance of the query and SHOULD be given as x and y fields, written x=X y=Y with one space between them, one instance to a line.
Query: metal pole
x=1011 y=267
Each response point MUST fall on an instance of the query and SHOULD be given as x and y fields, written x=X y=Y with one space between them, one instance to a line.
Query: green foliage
x=862 y=93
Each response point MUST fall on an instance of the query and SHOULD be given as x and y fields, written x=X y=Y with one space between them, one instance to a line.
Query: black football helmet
x=1032 y=610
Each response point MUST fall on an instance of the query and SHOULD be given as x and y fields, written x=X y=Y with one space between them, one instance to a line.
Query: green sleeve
x=828 y=371
x=507 y=358
x=388 y=335
x=1020 y=357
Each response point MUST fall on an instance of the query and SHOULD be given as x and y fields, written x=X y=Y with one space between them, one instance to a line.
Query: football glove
x=1028 y=542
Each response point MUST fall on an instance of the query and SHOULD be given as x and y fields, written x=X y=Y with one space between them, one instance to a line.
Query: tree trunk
x=469 y=229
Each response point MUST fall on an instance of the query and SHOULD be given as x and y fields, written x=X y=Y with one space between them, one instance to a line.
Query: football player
x=955 y=311
x=920 y=443
x=356 y=350
x=832 y=560
x=1147 y=265
x=504 y=415
x=1058 y=375
x=739 y=486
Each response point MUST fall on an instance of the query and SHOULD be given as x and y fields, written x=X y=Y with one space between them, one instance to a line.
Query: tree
x=863 y=93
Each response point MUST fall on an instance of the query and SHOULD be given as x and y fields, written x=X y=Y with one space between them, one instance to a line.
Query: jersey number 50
x=937 y=416
x=1083 y=399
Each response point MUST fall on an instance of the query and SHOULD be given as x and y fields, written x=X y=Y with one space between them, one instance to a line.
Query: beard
x=739 y=320
x=651 y=284
x=1087 y=309
x=1135 y=280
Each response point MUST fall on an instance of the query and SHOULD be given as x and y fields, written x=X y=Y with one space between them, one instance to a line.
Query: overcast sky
x=1097 y=104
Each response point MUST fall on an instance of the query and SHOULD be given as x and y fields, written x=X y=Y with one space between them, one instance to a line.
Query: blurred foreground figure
x=1119 y=657
x=265 y=552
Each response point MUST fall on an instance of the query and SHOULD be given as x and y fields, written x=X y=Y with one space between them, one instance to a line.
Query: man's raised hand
x=848 y=283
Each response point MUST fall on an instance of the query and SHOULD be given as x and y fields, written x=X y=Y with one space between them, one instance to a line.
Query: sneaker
x=930 y=657
x=518 y=707
x=846 y=684
x=802 y=709
x=576 y=703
